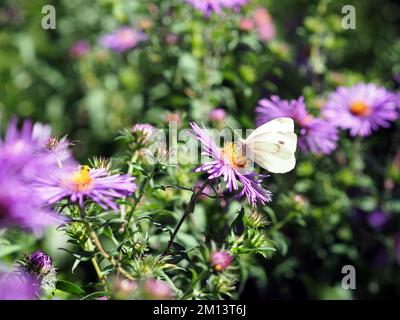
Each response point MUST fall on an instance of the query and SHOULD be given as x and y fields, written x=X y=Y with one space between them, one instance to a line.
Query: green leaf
x=69 y=287
x=5 y=251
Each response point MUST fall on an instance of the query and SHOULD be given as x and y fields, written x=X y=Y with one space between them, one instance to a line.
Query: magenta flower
x=122 y=39
x=362 y=108
x=229 y=163
x=79 y=49
x=221 y=260
x=19 y=286
x=86 y=183
x=316 y=135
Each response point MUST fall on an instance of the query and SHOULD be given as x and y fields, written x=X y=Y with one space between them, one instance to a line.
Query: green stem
x=189 y=209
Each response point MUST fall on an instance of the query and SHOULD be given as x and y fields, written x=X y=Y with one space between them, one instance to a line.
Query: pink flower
x=264 y=24
x=79 y=49
x=221 y=260
x=157 y=290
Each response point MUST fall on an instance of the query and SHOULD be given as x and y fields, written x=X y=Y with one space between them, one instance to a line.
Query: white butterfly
x=272 y=145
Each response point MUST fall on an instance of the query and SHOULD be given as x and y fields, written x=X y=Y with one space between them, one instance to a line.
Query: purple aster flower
x=157 y=290
x=20 y=205
x=58 y=146
x=230 y=164
x=362 y=108
x=122 y=39
x=17 y=286
x=22 y=161
x=221 y=260
x=86 y=183
x=79 y=49
x=316 y=135
x=377 y=219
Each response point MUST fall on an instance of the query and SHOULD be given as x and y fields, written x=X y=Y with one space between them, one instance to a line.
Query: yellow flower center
x=218 y=267
x=359 y=108
x=81 y=180
x=234 y=155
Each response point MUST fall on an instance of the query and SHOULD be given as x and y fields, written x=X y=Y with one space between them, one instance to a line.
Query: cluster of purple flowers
x=362 y=109
x=122 y=39
x=38 y=170
x=217 y=6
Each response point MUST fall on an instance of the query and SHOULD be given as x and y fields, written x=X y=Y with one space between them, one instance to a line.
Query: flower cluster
x=217 y=6
x=122 y=39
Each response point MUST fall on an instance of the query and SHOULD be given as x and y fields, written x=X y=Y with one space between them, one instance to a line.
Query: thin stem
x=141 y=193
x=189 y=209
x=95 y=240
x=105 y=255
x=123 y=207
x=98 y=270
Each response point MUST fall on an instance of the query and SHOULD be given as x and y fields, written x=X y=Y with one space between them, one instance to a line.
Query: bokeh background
x=190 y=65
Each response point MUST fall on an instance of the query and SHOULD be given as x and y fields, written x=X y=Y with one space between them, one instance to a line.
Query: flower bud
x=221 y=260
x=39 y=263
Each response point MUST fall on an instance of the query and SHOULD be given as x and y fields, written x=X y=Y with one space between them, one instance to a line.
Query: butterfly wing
x=272 y=145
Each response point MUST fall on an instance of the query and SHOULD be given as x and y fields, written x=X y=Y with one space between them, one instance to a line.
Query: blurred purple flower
x=316 y=135
x=17 y=286
x=221 y=260
x=79 y=49
x=377 y=219
x=157 y=290
x=229 y=164
x=84 y=183
x=210 y=6
x=362 y=108
x=217 y=115
x=23 y=160
x=58 y=146
x=122 y=39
